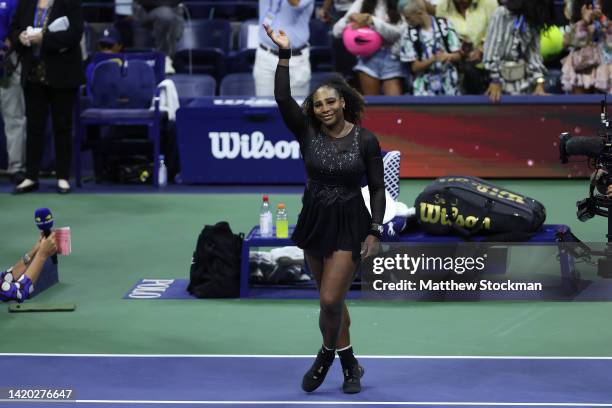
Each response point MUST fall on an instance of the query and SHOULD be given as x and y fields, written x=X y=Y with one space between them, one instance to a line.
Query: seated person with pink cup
x=17 y=282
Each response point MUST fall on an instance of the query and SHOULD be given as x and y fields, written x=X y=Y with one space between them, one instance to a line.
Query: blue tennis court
x=261 y=380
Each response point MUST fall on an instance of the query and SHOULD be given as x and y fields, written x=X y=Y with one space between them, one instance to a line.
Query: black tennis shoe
x=352 y=379
x=316 y=374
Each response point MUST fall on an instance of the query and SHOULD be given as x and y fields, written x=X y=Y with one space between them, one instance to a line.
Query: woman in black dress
x=334 y=227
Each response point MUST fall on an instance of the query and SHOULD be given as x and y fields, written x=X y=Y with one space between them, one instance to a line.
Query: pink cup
x=63 y=241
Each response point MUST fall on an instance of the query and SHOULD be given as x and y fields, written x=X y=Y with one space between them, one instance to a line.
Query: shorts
x=11 y=289
x=381 y=65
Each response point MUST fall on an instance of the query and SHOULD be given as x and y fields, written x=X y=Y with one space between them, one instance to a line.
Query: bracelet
x=26 y=258
x=376 y=230
x=284 y=53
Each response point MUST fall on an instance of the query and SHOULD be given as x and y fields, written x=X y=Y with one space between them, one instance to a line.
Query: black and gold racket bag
x=466 y=206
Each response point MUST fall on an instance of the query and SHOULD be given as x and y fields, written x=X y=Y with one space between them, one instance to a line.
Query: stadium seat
x=154 y=59
x=238 y=84
x=193 y=86
x=244 y=58
x=122 y=94
x=203 y=48
x=320 y=46
x=234 y=10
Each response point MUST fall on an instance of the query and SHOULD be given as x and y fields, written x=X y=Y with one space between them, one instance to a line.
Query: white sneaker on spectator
x=63 y=186
x=26 y=186
x=169 y=68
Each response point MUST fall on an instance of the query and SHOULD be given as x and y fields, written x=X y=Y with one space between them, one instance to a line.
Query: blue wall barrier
x=244 y=140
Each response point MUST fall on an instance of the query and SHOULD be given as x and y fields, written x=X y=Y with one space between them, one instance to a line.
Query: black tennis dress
x=334 y=215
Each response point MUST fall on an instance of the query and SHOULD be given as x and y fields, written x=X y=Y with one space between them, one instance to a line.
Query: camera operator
x=603 y=189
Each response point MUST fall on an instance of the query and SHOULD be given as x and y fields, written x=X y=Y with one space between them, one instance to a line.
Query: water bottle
x=162 y=177
x=282 y=223
x=265 y=218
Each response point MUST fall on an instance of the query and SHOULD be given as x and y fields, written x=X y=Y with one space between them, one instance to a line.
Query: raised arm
x=292 y=114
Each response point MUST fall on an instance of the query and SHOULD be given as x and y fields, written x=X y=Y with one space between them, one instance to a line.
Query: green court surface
x=120 y=238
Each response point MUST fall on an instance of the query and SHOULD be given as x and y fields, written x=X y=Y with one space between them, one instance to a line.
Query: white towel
x=168 y=98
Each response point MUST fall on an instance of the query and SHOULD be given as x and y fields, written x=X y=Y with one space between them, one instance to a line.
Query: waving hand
x=280 y=38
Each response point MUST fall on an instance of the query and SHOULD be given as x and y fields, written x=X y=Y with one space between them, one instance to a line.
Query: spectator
x=431 y=47
x=587 y=67
x=12 y=106
x=331 y=12
x=382 y=68
x=124 y=20
x=292 y=16
x=599 y=184
x=165 y=19
x=51 y=73
x=17 y=283
x=470 y=18
x=109 y=43
x=512 y=47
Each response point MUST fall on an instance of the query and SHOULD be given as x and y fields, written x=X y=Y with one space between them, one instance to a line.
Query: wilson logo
x=435 y=214
x=230 y=145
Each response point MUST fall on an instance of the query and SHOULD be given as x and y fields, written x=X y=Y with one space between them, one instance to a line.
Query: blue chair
x=320 y=46
x=244 y=59
x=122 y=94
x=155 y=59
x=189 y=87
x=203 y=48
x=238 y=84
x=214 y=9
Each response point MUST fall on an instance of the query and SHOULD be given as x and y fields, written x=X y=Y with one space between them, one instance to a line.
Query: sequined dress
x=334 y=215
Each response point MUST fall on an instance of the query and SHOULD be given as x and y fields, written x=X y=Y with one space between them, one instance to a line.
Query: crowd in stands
x=427 y=47
x=384 y=47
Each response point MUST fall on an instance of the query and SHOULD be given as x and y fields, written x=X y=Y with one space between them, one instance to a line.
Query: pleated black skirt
x=332 y=218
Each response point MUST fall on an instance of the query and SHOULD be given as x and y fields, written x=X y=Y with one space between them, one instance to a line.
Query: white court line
x=305 y=356
x=415 y=403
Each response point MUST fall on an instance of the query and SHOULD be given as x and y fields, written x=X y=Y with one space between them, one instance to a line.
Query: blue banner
x=237 y=141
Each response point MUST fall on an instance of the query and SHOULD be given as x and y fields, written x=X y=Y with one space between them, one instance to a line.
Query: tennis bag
x=215 y=266
x=466 y=206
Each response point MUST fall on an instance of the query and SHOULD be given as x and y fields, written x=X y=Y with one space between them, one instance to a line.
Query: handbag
x=586 y=57
x=513 y=70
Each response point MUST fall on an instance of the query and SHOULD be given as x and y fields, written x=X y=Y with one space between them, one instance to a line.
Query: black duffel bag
x=215 y=267
x=466 y=206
